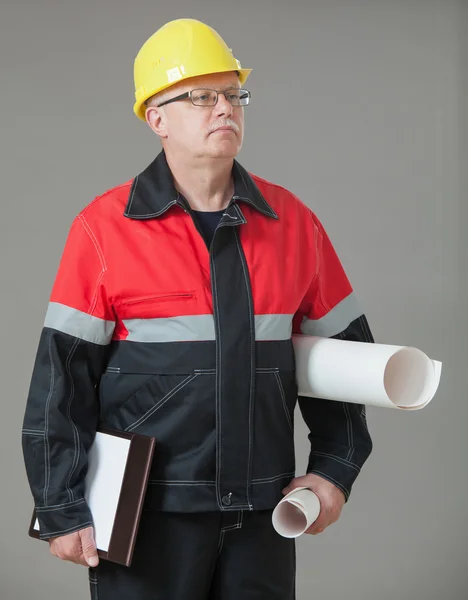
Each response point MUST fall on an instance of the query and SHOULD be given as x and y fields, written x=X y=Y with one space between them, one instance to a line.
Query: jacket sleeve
x=62 y=410
x=339 y=436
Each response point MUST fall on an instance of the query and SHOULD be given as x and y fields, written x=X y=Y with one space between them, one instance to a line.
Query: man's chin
x=224 y=151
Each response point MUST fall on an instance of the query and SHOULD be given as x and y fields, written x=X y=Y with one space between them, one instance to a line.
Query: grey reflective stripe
x=335 y=321
x=273 y=327
x=195 y=328
x=79 y=324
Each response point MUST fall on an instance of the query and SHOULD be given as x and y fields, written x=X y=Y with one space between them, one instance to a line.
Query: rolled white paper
x=381 y=375
x=296 y=512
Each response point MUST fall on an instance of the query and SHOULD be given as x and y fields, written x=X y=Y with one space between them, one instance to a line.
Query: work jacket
x=150 y=331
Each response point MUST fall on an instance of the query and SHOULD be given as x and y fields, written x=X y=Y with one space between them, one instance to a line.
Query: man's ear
x=156 y=119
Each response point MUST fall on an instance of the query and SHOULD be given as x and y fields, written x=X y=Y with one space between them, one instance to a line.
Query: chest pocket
x=165 y=317
x=164 y=304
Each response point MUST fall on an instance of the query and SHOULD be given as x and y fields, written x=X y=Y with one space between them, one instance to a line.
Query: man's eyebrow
x=235 y=86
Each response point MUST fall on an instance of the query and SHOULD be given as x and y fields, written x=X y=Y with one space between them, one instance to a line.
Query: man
x=171 y=315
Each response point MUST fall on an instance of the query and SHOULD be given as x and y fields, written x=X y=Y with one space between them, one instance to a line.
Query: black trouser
x=202 y=556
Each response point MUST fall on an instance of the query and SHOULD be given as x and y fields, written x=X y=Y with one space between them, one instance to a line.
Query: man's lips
x=223 y=129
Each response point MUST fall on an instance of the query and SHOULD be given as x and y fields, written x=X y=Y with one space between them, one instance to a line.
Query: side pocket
x=274 y=452
x=283 y=400
x=161 y=402
x=116 y=389
x=278 y=384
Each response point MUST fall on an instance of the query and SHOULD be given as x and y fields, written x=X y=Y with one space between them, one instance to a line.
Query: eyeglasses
x=206 y=97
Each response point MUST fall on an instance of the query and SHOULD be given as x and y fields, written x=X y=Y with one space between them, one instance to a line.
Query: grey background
x=360 y=109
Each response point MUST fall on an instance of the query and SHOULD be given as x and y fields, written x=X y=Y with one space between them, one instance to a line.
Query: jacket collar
x=153 y=191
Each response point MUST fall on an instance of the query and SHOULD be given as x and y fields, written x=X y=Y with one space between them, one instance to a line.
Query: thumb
x=88 y=546
x=293 y=484
x=290 y=487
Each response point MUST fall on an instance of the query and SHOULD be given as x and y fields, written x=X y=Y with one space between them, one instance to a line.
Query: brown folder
x=130 y=498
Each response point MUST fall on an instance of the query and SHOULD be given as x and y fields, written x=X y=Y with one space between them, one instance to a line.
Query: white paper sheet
x=107 y=461
x=296 y=512
x=358 y=372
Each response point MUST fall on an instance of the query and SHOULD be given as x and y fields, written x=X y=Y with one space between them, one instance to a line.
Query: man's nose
x=223 y=106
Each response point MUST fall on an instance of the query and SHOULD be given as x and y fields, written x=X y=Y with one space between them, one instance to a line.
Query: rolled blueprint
x=296 y=512
x=381 y=375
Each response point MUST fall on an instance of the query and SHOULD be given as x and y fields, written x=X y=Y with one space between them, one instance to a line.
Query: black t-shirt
x=208 y=222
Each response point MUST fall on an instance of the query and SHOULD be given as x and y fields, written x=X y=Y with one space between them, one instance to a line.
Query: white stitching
x=95 y=297
x=91 y=235
x=272 y=479
x=135 y=183
x=189 y=483
x=230 y=527
x=330 y=478
x=362 y=414
x=268 y=211
x=238 y=525
x=350 y=431
x=217 y=382
x=241 y=215
x=183 y=481
x=352 y=448
x=283 y=399
x=155 y=214
x=102 y=260
x=53 y=507
x=344 y=461
x=163 y=400
x=76 y=435
x=46 y=423
x=93 y=580
x=221 y=541
x=252 y=366
x=75 y=528
x=33 y=433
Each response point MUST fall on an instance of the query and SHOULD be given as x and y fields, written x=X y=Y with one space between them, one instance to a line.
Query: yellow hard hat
x=178 y=50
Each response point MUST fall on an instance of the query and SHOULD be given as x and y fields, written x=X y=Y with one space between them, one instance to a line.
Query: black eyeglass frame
x=224 y=92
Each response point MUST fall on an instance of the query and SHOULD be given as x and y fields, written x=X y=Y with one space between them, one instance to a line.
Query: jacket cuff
x=61 y=519
x=339 y=471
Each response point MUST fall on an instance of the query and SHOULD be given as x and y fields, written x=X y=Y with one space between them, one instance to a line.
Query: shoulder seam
x=102 y=260
x=106 y=193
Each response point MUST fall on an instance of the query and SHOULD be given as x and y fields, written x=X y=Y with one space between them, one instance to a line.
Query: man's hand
x=78 y=547
x=331 y=499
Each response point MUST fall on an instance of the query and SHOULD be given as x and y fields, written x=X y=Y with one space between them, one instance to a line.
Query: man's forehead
x=216 y=81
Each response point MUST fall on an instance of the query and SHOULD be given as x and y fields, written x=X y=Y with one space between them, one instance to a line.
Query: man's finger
x=319 y=524
x=292 y=485
x=88 y=546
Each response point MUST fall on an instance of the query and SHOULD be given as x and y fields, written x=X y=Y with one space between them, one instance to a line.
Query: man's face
x=203 y=131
